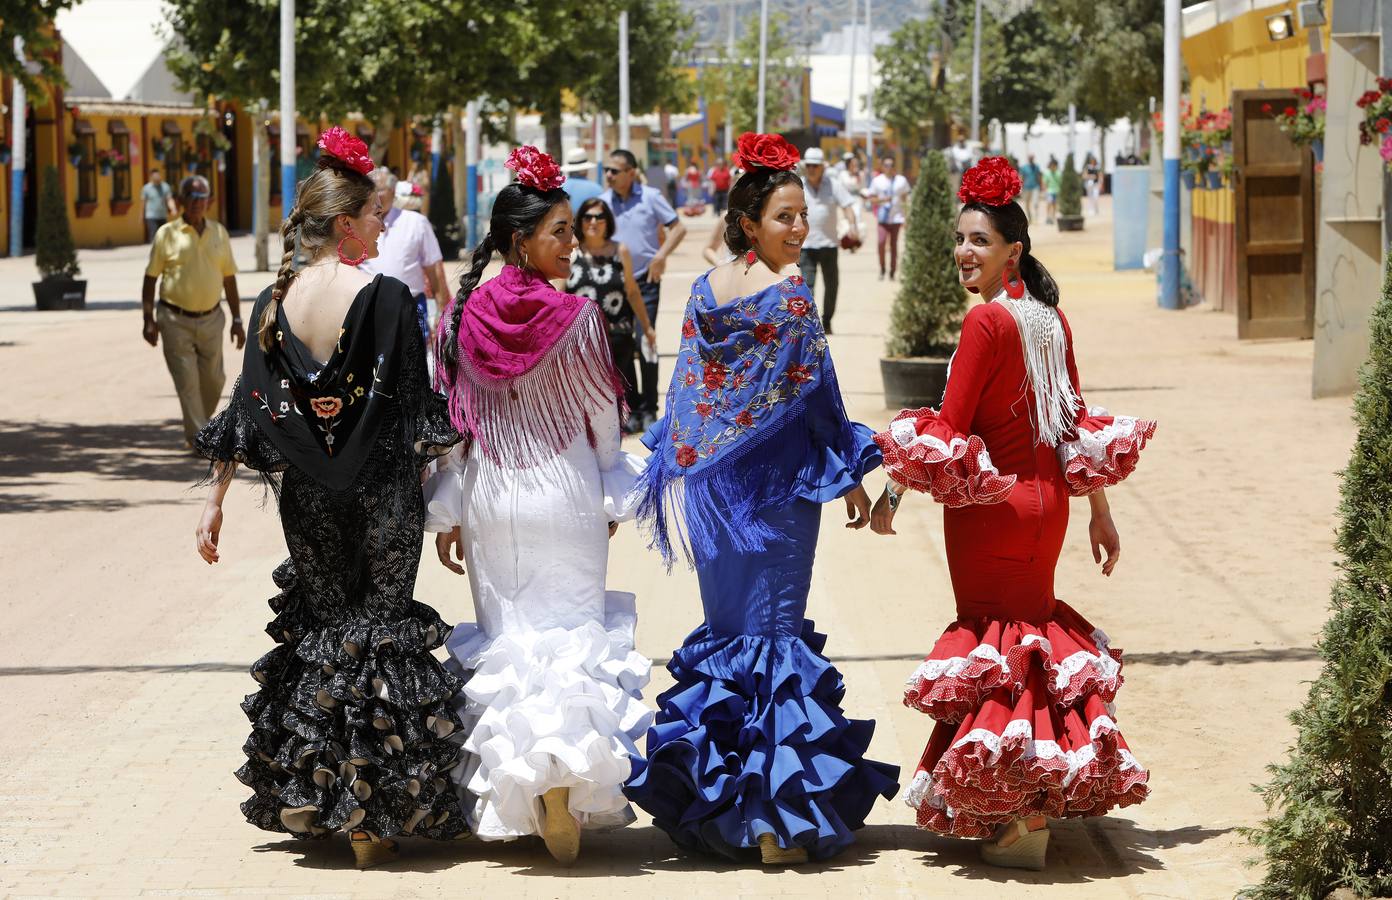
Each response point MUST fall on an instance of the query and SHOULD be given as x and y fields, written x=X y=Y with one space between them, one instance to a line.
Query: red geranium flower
x=1368 y=98
x=686 y=455
x=1383 y=124
x=765 y=151
x=1385 y=84
x=798 y=306
x=993 y=181
x=798 y=373
x=744 y=419
x=690 y=377
x=766 y=332
x=535 y=168
x=688 y=329
x=1290 y=111
x=705 y=410
x=347 y=148
x=714 y=375
x=1266 y=108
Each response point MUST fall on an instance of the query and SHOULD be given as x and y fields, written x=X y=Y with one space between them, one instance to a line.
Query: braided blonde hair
x=332 y=190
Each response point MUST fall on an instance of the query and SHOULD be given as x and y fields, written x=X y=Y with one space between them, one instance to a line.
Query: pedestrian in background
x=639 y=212
x=191 y=262
x=158 y=200
x=1092 y=180
x=825 y=197
x=889 y=192
x=577 y=186
x=1030 y=181
x=1053 y=181
x=719 y=178
x=407 y=250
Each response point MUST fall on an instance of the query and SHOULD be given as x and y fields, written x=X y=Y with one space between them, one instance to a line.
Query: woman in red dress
x=1021 y=685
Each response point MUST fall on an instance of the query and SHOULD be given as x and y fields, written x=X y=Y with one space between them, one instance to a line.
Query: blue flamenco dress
x=751 y=739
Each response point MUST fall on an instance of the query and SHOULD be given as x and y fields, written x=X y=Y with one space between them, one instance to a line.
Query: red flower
x=798 y=306
x=737 y=382
x=326 y=407
x=1266 y=108
x=766 y=332
x=1385 y=84
x=348 y=149
x=993 y=181
x=1303 y=93
x=690 y=377
x=1368 y=98
x=744 y=419
x=714 y=375
x=535 y=168
x=688 y=329
x=1290 y=111
x=798 y=373
x=1383 y=124
x=795 y=279
x=765 y=151
x=686 y=455
x=705 y=410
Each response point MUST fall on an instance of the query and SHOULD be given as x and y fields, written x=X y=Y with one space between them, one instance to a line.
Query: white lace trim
x=920 y=790
x=1063 y=671
x=1023 y=730
x=1093 y=444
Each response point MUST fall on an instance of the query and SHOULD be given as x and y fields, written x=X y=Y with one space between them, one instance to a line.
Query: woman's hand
x=882 y=516
x=858 y=508
x=443 y=542
x=209 y=527
x=1102 y=535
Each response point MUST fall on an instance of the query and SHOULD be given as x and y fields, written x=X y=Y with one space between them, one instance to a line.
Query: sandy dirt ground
x=123 y=657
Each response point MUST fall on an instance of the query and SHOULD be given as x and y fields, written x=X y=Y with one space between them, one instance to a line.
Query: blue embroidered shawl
x=752 y=371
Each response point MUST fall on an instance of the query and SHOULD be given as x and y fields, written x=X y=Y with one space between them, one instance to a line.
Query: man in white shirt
x=407 y=250
x=825 y=195
x=889 y=194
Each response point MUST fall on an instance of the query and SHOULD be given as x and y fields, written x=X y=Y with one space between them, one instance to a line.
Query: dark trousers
x=151 y=226
x=624 y=349
x=825 y=257
x=721 y=200
x=651 y=292
x=889 y=233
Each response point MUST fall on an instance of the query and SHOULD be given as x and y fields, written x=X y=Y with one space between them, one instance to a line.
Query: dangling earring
x=343 y=257
x=1014 y=284
x=750 y=259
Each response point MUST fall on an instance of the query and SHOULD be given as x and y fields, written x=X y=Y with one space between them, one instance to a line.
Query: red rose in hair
x=714 y=375
x=766 y=333
x=347 y=149
x=766 y=151
x=686 y=455
x=744 y=419
x=535 y=169
x=993 y=181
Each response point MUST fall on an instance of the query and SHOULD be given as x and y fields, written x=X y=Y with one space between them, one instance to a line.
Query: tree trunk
x=261 y=187
x=461 y=173
x=381 y=137
x=551 y=121
x=1102 y=153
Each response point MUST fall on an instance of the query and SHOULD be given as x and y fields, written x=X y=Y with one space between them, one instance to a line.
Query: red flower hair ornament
x=993 y=181
x=347 y=149
x=765 y=151
x=535 y=168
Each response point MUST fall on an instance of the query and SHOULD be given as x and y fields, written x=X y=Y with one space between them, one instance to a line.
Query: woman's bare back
x=317 y=303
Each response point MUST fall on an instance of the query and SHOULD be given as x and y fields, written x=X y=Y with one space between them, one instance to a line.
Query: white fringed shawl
x=1045 y=347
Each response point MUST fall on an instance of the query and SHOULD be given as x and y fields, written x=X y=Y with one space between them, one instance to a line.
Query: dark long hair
x=1012 y=224
x=747 y=199
x=517 y=211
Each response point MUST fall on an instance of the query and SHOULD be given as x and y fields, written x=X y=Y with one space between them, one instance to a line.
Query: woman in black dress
x=350 y=726
x=603 y=272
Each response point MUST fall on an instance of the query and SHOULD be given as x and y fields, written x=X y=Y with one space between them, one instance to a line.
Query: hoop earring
x=1014 y=284
x=348 y=260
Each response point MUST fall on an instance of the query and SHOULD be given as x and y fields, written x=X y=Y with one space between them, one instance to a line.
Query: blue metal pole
x=19 y=143
x=437 y=140
x=288 y=117
x=471 y=157
x=1170 y=262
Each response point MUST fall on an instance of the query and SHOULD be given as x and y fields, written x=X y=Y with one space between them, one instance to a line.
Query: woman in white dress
x=551 y=705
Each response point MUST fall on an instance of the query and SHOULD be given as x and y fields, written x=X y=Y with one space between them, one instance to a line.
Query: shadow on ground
x=143 y=451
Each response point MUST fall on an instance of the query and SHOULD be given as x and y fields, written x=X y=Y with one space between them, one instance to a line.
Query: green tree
x=1022 y=61
x=1332 y=800
x=32 y=20
x=927 y=312
x=1070 y=201
x=54 y=255
x=732 y=79
x=912 y=97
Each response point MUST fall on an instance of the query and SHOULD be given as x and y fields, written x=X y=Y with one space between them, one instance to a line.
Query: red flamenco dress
x=1021 y=685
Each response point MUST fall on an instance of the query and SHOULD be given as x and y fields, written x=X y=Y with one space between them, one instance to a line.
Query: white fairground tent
x=113 y=51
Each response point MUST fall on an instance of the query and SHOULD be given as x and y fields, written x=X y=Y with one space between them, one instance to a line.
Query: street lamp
x=1280 y=26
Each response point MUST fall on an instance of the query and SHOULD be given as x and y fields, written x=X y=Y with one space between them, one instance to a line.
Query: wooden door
x=1275 y=221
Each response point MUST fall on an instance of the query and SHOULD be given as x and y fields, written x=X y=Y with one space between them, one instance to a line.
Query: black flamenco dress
x=351 y=724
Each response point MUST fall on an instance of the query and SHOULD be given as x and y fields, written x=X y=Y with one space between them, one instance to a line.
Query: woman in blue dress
x=750 y=748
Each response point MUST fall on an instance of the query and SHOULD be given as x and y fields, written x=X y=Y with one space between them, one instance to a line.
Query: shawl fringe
x=524 y=421
x=1045 y=347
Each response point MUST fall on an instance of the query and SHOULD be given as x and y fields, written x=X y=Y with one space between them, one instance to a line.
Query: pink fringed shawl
x=532 y=362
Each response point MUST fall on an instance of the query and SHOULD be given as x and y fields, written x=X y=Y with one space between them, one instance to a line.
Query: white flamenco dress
x=553 y=684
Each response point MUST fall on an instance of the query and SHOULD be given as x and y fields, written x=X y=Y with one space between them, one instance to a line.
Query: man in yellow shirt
x=191 y=260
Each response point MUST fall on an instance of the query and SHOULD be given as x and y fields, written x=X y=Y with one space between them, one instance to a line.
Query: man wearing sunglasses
x=191 y=261
x=640 y=213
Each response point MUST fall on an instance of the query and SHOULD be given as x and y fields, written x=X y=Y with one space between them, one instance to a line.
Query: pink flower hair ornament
x=535 y=169
x=347 y=149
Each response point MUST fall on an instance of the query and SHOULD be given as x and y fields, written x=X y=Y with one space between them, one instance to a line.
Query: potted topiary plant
x=927 y=312
x=1070 y=204
x=55 y=257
